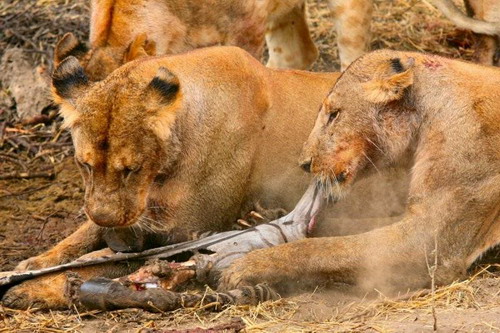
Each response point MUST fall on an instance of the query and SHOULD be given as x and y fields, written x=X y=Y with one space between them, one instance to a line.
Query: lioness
x=121 y=31
x=443 y=115
x=178 y=145
x=487 y=48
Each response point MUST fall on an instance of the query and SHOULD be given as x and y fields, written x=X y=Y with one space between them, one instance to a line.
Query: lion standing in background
x=122 y=30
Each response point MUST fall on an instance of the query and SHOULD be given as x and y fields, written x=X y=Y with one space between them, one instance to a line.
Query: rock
x=23 y=85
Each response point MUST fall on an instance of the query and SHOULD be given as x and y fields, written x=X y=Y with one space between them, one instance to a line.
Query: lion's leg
x=84 y=240
x=485 y=47
x=289 y=42
x=389 y=258
x=56 y=290
x=343 y=226
x=352 y=23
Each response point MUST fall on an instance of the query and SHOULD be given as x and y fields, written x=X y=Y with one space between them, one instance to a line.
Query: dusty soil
x=36 y=213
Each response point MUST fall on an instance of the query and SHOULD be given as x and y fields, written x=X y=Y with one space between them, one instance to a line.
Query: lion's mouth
x=345 y=176
x=341 y=177
x=111 y=223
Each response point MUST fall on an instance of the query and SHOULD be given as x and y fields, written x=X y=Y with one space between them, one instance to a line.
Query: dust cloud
x=373 y=202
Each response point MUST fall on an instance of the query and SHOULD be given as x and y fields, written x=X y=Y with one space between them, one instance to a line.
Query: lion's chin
x=335 y=186
x=133 y=220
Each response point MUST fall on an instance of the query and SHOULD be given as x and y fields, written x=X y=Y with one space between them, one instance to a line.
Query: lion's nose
x=103 y=217
x=306 y=165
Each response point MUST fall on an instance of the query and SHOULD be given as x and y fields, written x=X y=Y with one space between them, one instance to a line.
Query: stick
x=27 y=175
x=432 y=274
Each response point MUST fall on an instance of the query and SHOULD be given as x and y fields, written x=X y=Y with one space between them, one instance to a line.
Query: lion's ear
x=390 y=81
x=69 y=79
x=150 y=47
x=164 y=89
x=69 y=45
x=139 y=47
x=68 y=83
x=164 y=86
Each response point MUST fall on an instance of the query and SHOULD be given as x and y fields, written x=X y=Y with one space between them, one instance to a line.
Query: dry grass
x=363 y=314
x=35 y=26
x=410 y=25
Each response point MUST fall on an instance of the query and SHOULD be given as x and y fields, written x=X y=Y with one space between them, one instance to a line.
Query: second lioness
x=443 y=117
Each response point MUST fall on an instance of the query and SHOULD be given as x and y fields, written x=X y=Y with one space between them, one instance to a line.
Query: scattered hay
x=281 y=315
x=33 y=150
x=35 y=26
x=406 y=25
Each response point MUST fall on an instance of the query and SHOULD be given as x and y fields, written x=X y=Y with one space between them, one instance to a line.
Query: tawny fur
x=225 y=143
x=121 y=31
x=441 y=114
x=228 y=138
x=487 y=47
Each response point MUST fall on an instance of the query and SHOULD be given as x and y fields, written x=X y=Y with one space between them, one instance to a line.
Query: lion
x=172 y=147
x=121 y=31
x=487 y=48
x=440 y=115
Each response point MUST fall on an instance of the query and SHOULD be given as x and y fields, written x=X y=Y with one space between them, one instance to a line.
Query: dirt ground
x=36 y=213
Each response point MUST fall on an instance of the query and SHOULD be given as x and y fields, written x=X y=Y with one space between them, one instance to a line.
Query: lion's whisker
x=369 y=159
x=151 y=224
x=375 y=145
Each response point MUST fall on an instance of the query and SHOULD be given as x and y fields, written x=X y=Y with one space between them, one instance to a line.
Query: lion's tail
x=448 y=8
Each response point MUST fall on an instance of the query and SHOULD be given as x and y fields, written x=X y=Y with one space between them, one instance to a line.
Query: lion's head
x=122 y=130
x=366 y=120
x=102 y=58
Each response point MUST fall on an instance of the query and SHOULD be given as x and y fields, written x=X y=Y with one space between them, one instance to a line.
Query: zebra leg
x=106 y=294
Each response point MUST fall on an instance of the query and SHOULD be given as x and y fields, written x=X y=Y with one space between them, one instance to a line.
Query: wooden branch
x=27 y=175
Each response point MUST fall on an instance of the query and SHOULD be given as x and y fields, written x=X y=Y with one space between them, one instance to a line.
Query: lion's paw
x=48 y=292
x=246 y=271
x=15 y=299
x=38 y=262
x=22 y=297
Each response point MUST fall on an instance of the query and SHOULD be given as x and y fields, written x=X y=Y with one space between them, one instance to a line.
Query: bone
x=289 y=228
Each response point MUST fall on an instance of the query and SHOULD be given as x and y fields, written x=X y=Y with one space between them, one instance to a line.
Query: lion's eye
x=128 y=171
x=333 y=115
